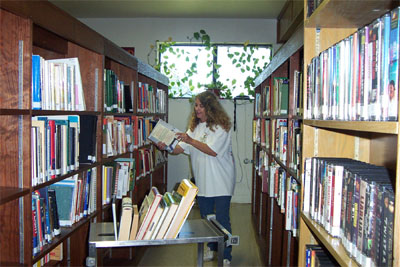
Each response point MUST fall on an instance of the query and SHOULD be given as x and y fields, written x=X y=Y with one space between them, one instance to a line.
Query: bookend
x=230 y=240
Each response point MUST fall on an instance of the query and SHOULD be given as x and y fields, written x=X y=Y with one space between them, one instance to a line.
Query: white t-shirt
x=215 y=176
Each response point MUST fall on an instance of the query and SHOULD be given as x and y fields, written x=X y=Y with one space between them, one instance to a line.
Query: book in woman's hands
x=166 y=133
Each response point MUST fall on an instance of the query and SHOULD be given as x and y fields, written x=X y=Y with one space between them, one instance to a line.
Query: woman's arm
x=177 y=150
x=195 y=143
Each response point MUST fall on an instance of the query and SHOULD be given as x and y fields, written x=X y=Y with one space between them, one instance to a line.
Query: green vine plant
x=244 y=61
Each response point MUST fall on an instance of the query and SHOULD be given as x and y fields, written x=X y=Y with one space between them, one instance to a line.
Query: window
x=191 y=68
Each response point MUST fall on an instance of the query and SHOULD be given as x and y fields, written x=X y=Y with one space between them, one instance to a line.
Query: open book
x=164 y=132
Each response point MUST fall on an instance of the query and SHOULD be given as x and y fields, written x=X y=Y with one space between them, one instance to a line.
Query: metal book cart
x=198 y=231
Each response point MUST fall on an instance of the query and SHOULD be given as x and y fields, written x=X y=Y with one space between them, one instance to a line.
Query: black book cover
x=87 y=139
x=386 y=258
x=128 y=98
x=53 y=206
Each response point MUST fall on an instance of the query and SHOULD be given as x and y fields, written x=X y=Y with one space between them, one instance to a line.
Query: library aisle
x=246 y=254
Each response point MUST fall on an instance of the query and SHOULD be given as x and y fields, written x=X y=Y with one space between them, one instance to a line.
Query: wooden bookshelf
x=277 y=245
x=39 y=27
x=346 y=14
x=332 y=244
x=375 y=142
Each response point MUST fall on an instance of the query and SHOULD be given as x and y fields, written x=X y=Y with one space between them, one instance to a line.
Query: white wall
x=179 y=166
x=143 y=32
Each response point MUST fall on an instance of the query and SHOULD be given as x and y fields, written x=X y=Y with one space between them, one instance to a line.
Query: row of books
x=125 y=133
x=57 y=84
x=257 y=105
x=57 y=254
x=118 y=96
x=276 y=101
x=294 y=146
x=146 y=158
x=297 y=99
x=279 y=139
x=317 y=255
x=61 y=204
x=280 y=96
x=284 y=188
x=159 y=217
x=45 y=219
x=117 y=135
x=118 y=177
x=312 y=5
x=283 y=141
x=151 y=100
x=272 y=134
x=357 y=78
x=58 y=146
x=353 y=201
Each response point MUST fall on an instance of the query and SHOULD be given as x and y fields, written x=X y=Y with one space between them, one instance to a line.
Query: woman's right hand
x=161 y=145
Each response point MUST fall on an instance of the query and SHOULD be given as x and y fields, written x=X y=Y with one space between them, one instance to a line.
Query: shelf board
x=14 y=111
x=11 y=193
x=284 y=116
x=297 y=117
x=332 y=244
x=388 y=127
x=293 y=173
x=149 y=71
x=347 y=14
x=44 y=112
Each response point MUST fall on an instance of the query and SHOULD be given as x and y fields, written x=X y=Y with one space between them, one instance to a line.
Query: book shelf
x=273 y=146
x=38 y=27
x=374 y=142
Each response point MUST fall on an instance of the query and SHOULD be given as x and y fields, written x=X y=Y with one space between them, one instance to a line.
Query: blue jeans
x=220 y=207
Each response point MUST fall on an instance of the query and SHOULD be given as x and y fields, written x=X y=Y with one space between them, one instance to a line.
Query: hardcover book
x=188 y=191
x=126 y=219
x=135 y=223
x=147 y=213
x=172 y=201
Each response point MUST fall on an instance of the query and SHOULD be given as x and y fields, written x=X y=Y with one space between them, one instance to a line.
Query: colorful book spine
x=393 y=87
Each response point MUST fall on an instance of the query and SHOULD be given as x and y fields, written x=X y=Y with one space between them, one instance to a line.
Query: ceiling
x=265 y=9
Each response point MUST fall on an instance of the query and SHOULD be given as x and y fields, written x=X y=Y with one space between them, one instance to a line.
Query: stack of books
x=161 y=216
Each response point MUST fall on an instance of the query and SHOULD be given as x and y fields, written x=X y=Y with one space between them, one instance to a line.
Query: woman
x=209 y=144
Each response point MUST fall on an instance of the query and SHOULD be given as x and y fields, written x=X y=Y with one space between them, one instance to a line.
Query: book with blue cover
x=36 y=83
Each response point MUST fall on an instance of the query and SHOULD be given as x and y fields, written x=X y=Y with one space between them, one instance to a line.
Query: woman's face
x=200 y=111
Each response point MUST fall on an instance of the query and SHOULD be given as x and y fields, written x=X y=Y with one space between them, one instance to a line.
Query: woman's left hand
x=184 y=137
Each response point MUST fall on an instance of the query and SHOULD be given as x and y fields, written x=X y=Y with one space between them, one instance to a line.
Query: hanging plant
x=243 y=61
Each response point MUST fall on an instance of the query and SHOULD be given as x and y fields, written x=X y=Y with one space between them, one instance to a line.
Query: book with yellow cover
x=188 y=191
x=135 y=223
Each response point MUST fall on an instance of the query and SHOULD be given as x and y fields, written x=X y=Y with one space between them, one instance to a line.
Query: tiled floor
x=246 y=254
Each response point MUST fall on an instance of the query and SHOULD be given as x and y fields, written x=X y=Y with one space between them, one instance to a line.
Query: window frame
x=214 y=52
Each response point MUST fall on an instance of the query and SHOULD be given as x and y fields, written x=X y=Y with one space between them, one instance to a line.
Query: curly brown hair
x=216 y=114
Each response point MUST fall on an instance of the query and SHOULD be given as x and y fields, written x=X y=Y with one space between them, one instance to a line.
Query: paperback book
x=166 y=133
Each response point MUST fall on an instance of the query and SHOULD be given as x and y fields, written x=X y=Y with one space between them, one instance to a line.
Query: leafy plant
x=244 y=61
